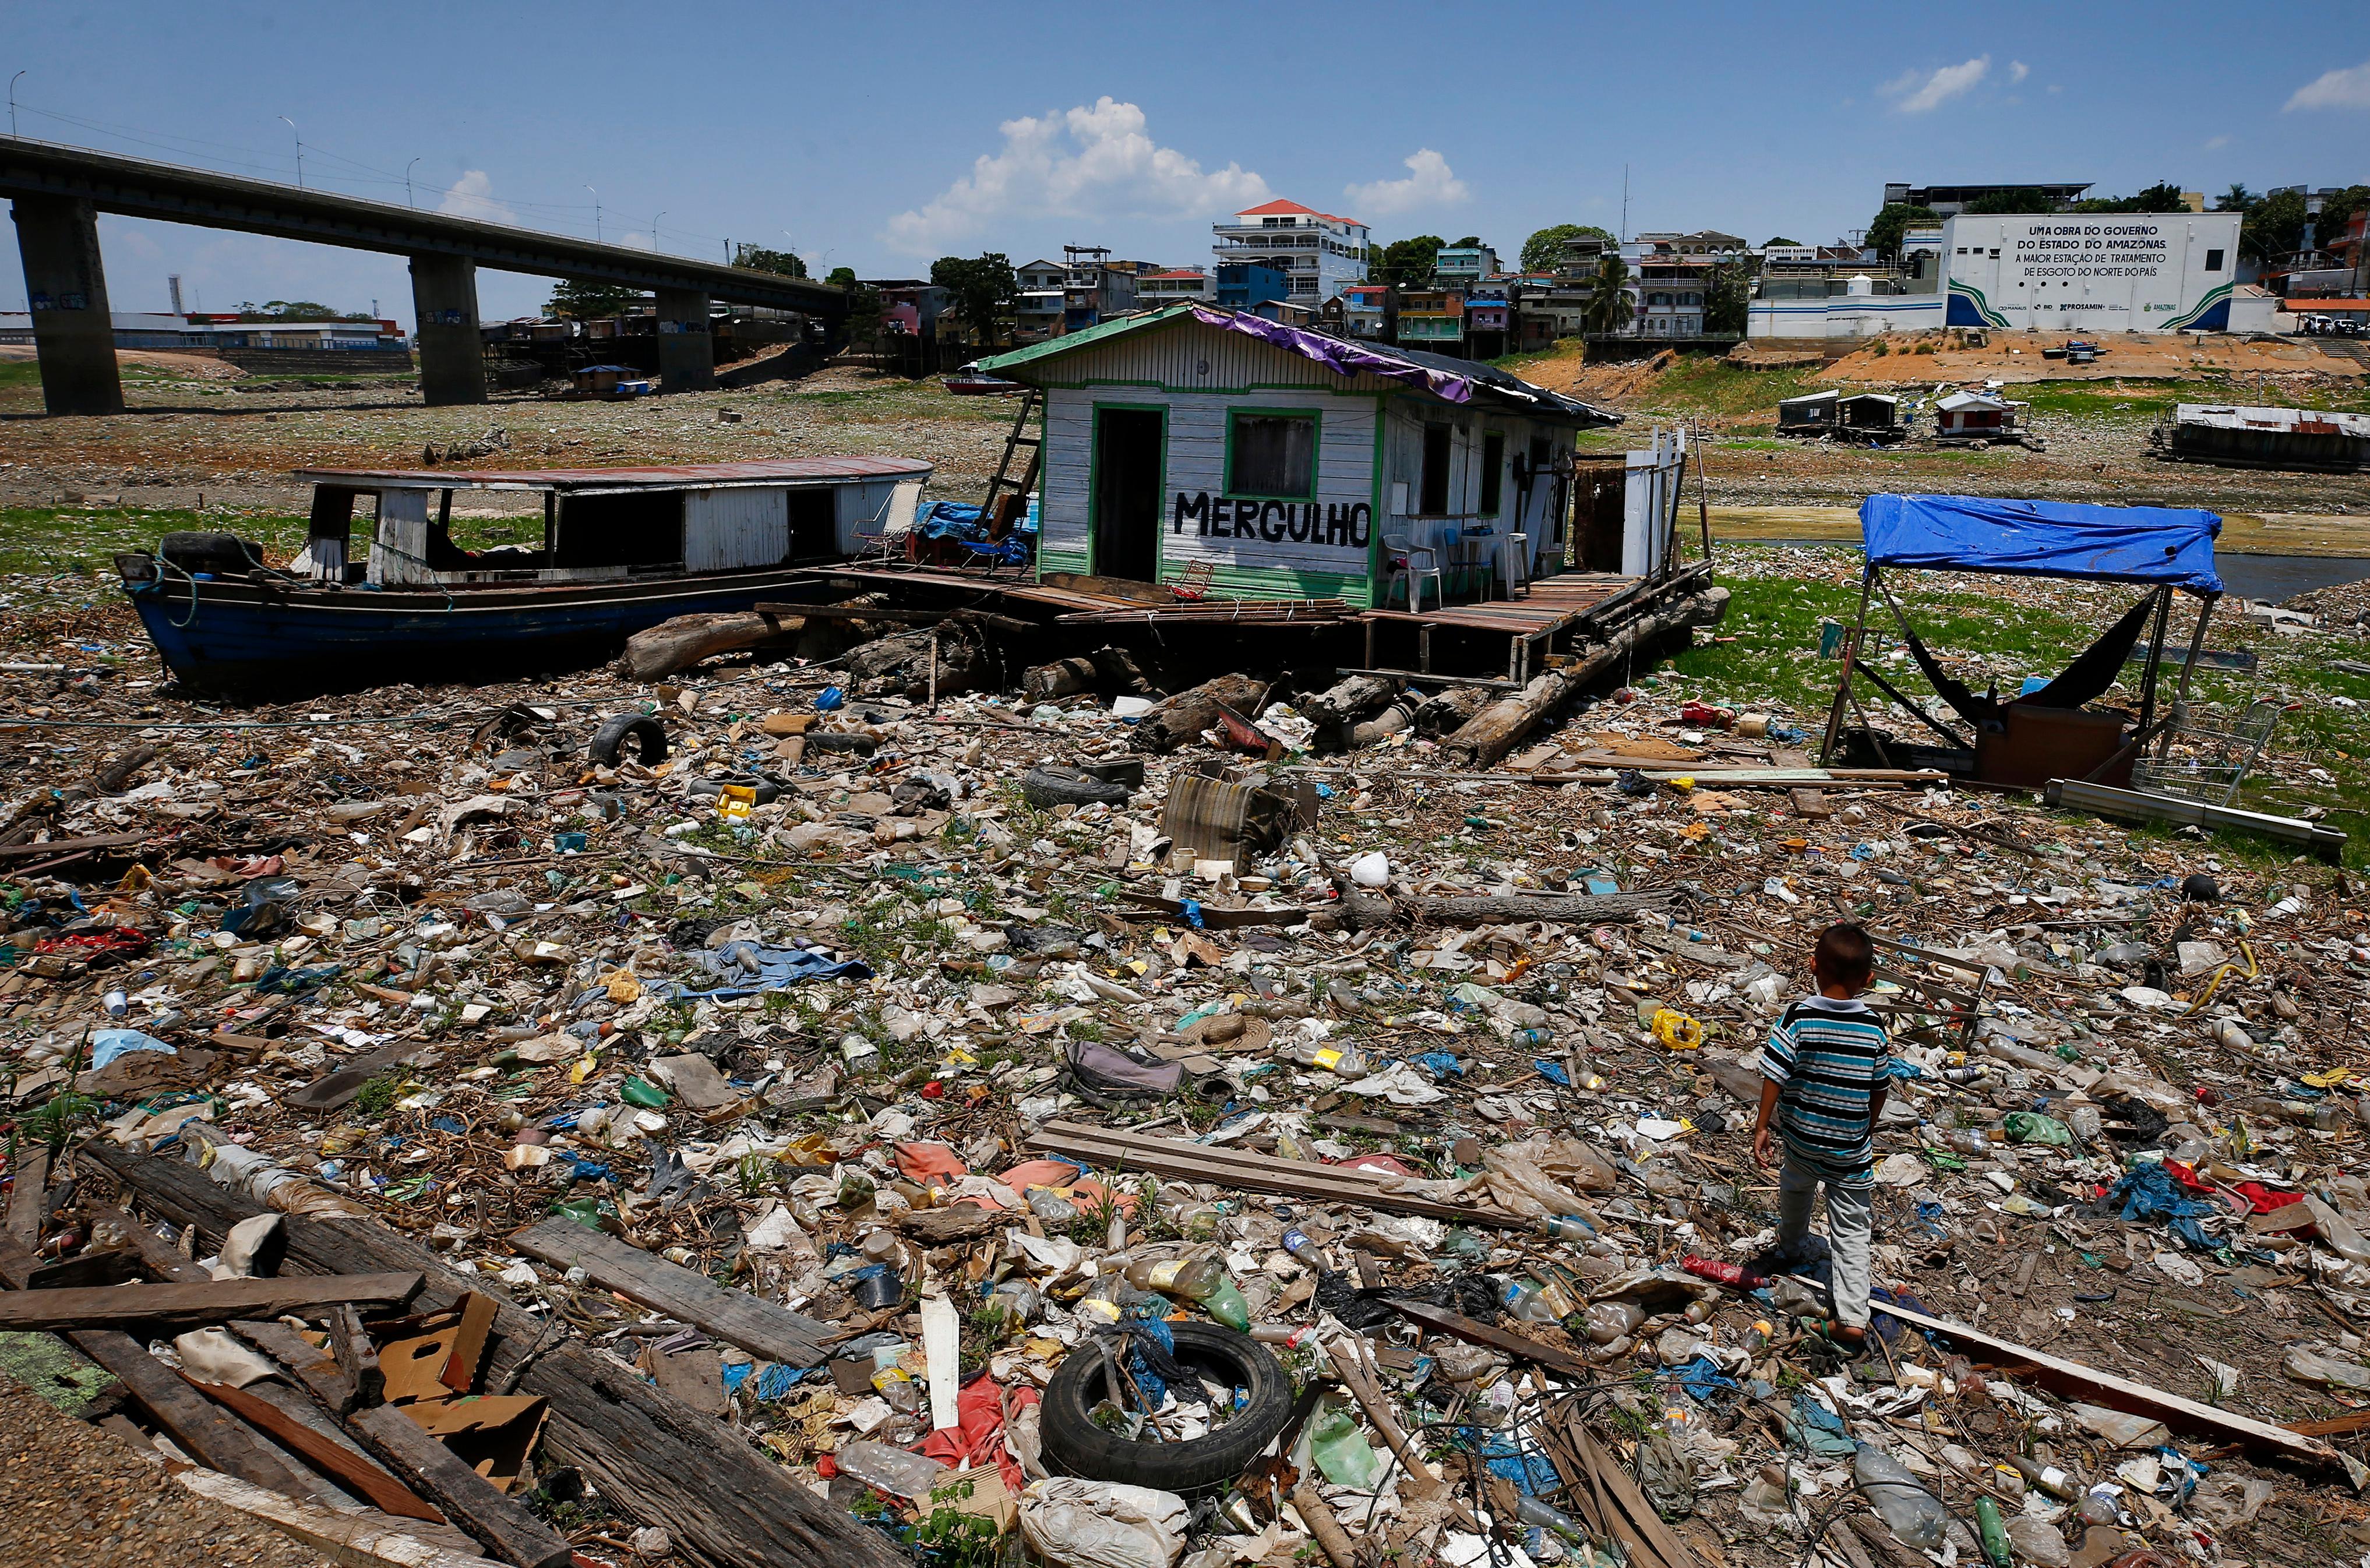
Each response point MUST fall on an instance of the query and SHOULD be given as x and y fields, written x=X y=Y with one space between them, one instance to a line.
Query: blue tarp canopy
x=2043 y=538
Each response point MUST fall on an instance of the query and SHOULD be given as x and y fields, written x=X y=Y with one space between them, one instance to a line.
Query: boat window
x=634 y=528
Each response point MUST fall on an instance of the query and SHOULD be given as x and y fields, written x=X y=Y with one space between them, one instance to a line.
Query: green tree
x=1777 y=239
x=981 y=288
x=1409 y=262
x=297 y=310
x=2164 y=196
x=757 y=259
x=2008 y=203
x=1471 y=242
x=2237 y=198
x=1608 y=309
x=1890 y=221
x=578 y=299
x=842 y=278
x=1543 y=252
x=1725 y=293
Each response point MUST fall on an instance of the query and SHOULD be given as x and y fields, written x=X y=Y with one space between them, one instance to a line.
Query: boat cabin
x=1978 y=414
x=1242 y=458
x=391 y=528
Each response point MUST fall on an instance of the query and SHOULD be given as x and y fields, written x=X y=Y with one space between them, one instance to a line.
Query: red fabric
x=980 y=1437
x=1381 y=1164
x=2264 y=1199
x=1085 y=1191
x=923 y=1164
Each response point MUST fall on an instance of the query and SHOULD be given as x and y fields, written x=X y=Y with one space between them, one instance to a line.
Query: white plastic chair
x=1407 y=553
x=1513 y=556
x=886 y=535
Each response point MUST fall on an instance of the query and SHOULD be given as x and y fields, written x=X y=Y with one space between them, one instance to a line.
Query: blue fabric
x=1703 y=1380
x=746 y=968
x=2148 y=1192
x=2044 y=539
x=951 y=520
x=1828 y=1057
x=108 y=1044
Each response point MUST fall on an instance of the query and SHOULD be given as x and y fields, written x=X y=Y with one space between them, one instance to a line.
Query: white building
x=1320 y=253
x=1173 y=286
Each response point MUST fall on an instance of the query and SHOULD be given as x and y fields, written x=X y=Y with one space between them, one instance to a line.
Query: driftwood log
x=1361 y=909
x=1392 y=720
x=1106 y=669
x=1491 y=733
x=1182 y=718
x=683 y=642
x=1347 y=701
x=1445 y=711
x=666 y=1464
x=902 y=666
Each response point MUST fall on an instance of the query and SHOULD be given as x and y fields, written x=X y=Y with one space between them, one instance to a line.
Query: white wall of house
x=1402 y=490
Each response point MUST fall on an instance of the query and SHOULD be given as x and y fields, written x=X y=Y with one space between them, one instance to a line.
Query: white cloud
x=2213 y=143
x=2349 y=88
x=1430 y=182
x=472 y=196
x=638 y=240
x=1091 y=161
x=1916 y=94
x=2016 y=72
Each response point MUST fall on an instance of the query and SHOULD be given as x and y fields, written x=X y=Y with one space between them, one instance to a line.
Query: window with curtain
x=1272 y=454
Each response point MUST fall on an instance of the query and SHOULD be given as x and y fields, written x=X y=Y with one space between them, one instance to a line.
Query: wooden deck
x=1444 y=642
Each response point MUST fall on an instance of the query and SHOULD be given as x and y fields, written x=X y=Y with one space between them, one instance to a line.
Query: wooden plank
x=62 y=846
x=152 y=1307
x=334 y=1089
x=2121 y=1393
x=734 y=1316
x=29 y=1196
x=466 y=1498
x=156 y=1254
x=1253 y=1180
x=1456 y=1325
x=356 y=1356
x=305 y=1361
x=336 y=1456
x=727 y=1505
x=350 y=1539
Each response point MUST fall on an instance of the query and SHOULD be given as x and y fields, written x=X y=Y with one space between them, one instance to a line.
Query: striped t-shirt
x=1827 y=1058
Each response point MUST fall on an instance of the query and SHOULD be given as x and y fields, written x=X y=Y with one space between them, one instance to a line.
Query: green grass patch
x=84 y=541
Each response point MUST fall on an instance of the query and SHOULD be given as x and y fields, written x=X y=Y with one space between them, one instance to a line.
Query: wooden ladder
x=1003 y=485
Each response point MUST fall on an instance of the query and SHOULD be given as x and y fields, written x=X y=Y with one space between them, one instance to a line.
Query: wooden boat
x=383 y=595
x=972 y=385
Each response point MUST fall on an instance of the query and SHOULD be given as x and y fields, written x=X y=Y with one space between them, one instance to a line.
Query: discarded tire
x=1068 y=786
x=649 y=736
x=1074 y=1444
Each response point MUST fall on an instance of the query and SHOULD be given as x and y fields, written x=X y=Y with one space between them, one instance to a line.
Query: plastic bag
x=1341 y=1451
x=2031 y=1126
x=1099 y=1524
x=2325 y=1364
x=893 y=1471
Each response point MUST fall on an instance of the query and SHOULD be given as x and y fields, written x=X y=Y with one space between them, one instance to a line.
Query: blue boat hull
x=241 y=638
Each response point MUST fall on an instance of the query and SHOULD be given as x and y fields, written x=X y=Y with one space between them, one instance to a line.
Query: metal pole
x=2155 y=656
x=2181 y=691
x=1851 y=654
x=299 y=149
x=12 y=102
x=407 y=199
x=654 y=228
x=596 y=215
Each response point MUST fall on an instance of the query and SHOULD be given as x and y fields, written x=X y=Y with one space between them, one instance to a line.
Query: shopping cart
x=2210 y=754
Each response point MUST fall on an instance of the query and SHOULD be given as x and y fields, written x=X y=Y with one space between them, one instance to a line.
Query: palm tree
x=1608 y=311
x=2237 y=198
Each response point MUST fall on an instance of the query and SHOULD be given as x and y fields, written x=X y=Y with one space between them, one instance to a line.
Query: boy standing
x=1823 y=1075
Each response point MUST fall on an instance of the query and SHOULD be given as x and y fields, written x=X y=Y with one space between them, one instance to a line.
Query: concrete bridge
x=59 y=191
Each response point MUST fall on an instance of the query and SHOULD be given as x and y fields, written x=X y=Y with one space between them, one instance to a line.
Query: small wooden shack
x=1246 y=458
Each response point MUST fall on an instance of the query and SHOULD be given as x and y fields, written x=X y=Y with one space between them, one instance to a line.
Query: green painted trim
x=1094 y=480
x=1069 y=342
x=1315 y=451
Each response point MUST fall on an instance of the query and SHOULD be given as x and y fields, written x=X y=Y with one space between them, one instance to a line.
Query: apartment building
x=1173 y=286
x=1461 y=265
x=1318 y=253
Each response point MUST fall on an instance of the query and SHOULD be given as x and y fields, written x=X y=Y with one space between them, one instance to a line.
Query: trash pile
x=750 y=1118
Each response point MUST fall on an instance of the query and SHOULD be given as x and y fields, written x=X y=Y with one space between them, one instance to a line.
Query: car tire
x=1074 y=1444
x=649 y=736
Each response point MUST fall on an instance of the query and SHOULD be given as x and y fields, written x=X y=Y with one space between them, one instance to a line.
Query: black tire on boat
x=650 y=741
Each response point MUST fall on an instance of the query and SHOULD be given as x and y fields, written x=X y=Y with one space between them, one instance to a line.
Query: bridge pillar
x=686 y=346
x=444 y=303
x=73 y=336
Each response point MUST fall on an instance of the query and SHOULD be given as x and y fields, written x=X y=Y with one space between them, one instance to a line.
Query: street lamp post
x=408 y=199
x=654 y=229
x=299 y=149
x=596 y=215
x=12 y=102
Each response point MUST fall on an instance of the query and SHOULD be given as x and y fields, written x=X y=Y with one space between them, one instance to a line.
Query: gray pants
x=1851 y=1222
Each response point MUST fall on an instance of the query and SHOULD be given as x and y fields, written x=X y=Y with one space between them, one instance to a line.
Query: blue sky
x=879 y=136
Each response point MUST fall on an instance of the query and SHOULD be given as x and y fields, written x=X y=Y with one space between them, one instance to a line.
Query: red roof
x=1281 y=208
x=1175 y=272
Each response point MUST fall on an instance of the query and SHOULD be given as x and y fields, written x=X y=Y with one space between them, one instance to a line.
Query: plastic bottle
x=1526 y=1300
x=1296 y=1242
x=2048 y=1478
x=1350 y=1061
x=2100 y=1504
x=1609 y=1321
x=1721 y=1271
x=1531 y=1511
x=893 y=1470
x=1909 y=1511
x=1202 y=1281
x=1566 y=1227
x=1051 y=1207
x=1533 y=1040
x=1994 y=1534
x=1962 y=1140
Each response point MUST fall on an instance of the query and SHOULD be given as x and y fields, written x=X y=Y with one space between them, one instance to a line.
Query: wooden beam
x=154 y=1308
x=739 y=1319
x=349 y=1538
x=29 y=1196
x=306 y=1362
x=356 y=1356
x=337 y=1457
x=62 y=846
x=726 y=1503
x=467 y=1498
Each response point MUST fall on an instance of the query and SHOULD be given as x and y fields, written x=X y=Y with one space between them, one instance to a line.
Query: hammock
x=2081 y=681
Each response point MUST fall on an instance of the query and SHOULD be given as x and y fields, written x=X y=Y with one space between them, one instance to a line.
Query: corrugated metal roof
x=651 y=476
x=2238 y=416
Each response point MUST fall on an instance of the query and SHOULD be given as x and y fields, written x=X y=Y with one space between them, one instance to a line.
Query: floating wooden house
x=1243 y=458
x=2235 y=437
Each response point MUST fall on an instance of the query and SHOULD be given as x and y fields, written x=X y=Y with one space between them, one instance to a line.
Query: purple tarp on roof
x=1337 y=354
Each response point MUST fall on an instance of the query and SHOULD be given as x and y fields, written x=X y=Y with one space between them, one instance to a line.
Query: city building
x=1459 y=266
x=1094 y=288
x=1171 y=286
x=1703 y=242
x=199 y=332
x=1490 y=319
x=1668 y=295
x=1548 y=307
x=1247 y=285
x=1318 y=253
x=1432 y=319
x=1370 y=312
x=1950 y=200
x=1037 y=313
